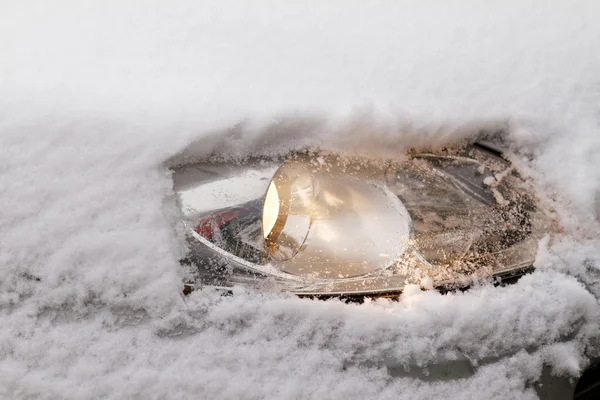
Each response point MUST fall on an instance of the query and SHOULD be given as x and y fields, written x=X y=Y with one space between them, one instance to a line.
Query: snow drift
x=96 y=97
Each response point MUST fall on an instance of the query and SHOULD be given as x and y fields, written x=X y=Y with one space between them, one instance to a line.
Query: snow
x=95 y=97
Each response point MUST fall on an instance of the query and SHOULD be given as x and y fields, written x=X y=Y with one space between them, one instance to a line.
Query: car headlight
x=320 y=224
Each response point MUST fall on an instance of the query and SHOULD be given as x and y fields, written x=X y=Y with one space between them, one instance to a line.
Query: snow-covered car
x=321 y=224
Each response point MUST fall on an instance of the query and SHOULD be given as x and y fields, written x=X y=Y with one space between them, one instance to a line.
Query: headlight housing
x=325 y=224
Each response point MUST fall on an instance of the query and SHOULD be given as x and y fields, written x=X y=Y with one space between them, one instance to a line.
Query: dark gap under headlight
x=326 y=224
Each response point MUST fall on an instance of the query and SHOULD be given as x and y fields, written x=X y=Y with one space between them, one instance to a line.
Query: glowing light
x=270 y=210
x=326 y=224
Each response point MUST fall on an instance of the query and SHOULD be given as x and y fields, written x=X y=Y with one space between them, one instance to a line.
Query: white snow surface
x=95 y=97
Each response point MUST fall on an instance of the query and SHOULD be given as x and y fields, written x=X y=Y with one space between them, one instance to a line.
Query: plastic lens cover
x=327 y=224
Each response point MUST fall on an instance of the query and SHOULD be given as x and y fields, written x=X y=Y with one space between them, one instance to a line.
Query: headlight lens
x=323 y=223
x=336 y=225
x=287 y=211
